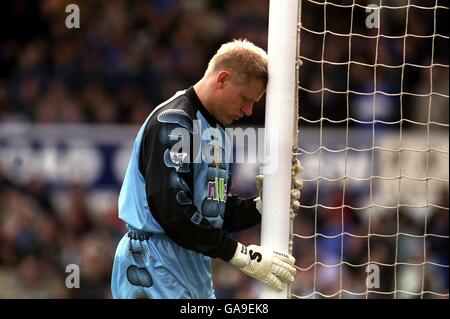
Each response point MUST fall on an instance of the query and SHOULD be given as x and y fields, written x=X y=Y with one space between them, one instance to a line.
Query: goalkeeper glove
x=297 y=185
x=259 y=187
x=270 y=267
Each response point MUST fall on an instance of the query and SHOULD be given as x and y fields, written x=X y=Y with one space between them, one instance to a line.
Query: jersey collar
x=193 y=97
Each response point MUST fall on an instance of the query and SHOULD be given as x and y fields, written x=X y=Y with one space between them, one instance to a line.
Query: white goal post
x=281 y=96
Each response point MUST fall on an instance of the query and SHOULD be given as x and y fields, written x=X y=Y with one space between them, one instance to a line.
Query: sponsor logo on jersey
x=217 y=189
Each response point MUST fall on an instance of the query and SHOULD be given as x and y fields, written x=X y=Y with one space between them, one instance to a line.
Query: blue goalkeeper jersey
x=177 y=189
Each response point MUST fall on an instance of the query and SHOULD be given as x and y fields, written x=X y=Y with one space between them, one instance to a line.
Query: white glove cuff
x=240 y=258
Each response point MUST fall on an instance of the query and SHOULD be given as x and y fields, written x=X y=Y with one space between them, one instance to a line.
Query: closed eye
x=246 y=99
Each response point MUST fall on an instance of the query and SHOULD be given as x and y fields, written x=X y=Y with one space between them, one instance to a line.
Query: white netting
x=373 y=138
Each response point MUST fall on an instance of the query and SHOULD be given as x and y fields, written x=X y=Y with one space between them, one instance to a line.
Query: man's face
x=237 y=100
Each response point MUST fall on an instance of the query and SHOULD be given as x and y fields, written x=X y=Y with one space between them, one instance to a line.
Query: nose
x=248 y=109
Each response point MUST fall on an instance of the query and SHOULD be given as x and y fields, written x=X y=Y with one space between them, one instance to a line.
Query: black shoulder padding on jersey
x=176 y=160
x=179 y=117
x=183 y=198
x=177 y=182
x=172 y=133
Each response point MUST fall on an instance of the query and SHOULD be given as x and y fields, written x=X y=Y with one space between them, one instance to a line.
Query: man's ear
x=222 y=79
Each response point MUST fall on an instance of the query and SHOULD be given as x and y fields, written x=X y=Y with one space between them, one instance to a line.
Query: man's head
x=236 y=78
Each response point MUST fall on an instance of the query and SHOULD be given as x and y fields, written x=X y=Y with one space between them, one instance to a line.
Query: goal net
x=373 y=96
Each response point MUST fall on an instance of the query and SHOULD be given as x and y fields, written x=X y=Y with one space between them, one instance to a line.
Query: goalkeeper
x=175 y=197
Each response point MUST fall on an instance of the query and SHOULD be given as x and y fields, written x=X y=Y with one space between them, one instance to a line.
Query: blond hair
x=243 y=59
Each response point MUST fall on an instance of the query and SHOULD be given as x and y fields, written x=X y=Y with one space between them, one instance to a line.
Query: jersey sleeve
x=166 y=164
x=240 y=214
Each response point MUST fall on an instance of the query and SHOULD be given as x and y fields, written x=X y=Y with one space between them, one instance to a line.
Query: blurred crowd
x=127 y=57
x=394 y=241
x=38 y=241
x=402 y=62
